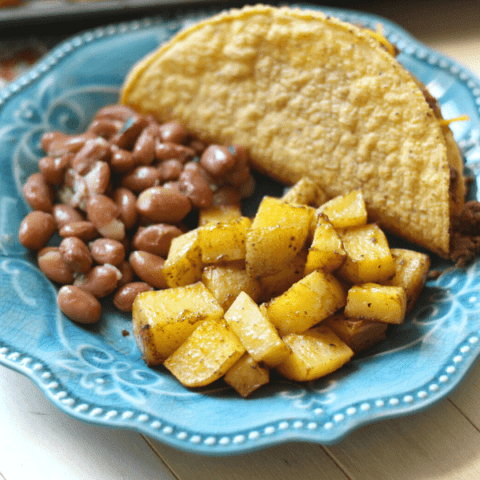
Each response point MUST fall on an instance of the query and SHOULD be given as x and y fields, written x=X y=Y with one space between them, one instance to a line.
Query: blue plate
x=96 y=374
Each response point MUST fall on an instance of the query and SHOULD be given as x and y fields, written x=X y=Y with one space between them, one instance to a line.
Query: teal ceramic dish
x=96 y=374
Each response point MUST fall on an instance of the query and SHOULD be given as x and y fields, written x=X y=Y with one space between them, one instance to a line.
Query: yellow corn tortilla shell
x=310 y=95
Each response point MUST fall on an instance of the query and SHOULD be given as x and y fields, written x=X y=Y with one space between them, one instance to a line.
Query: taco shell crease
x=310 y=95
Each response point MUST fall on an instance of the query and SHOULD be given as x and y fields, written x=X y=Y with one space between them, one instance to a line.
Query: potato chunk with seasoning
x=411 y=269
x=368 y=255
x=164 y=319
x=183 y=265
x=347 y=210
x=314 y=354
x=227 y=281
x=280 y=228
x=208 y=353
x=247 y=375
x=376 y=302
x=359 y=335
x=223 y=241
x=326 y=250
x=305 y=192
x=219 y=213
x=255 y=331
x=307 y=302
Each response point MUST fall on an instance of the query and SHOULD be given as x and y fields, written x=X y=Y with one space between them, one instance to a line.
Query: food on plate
x=312 y=96
x=119 y=194
x=301 y=308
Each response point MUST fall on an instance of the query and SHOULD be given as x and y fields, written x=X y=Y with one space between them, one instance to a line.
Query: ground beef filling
x=465 y=238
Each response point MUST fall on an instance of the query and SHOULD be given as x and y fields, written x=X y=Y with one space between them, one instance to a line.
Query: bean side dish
x=117 y=195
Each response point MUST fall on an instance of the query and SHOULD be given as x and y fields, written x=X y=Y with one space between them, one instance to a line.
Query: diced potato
x=278 y=283
x=346 y=210
x=314 y=354
x=326 y=251
x=255 y=331
x=280 y=228
x=227 y=281
x=219 y=213
x=224 y=241
x=359 y=335
x=411 y=270
x=376 y=302
x=368 y=255
x=183 y=265
x=163 y=319
x=247 y=375
x=206 y=355
x=307 y=302
x=305 y=192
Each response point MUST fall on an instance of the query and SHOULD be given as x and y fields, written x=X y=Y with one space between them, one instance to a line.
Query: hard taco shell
x=310 y=95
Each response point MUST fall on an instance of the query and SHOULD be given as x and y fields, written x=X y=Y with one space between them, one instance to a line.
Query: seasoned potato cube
x=368 y=255
x=278 y=233
x=219 y=213
x=247 y=375
x=227 y=281
x=305 y=192
x=346 y=210
x=183 y=265
x=359 y=335
x=314 y=354
x=411 y=269
x=163 y=319
x=255 y=331
x=326 y=250
x=376 y=302
x=307 y=302
x=206 y=355
x=278 y=283
x=224 y=241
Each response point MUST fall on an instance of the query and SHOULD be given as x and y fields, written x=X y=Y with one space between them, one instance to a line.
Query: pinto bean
x=83 y=229
x=53 y=266
x=163 y=205
x=79 y=305
x=156 y=238
x=38 y=193
x=195 y=184
x=76 y=254
x=149 y=268
x=125 y=295
x=100 y=281
x=36 y=229
x=107 y=251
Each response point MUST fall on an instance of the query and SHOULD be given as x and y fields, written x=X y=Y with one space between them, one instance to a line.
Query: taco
x=310 y=95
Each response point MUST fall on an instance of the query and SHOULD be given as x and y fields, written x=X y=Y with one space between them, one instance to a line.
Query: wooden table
x=39 y=442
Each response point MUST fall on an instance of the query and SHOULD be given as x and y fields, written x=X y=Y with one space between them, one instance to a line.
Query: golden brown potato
x=247 y=375
x=255 y=331
x=346 y=210
x=368 y=255
x=326 y=250
x=223 y=241
x=314 y=354
x=183 y=265
x=359 y=335
x=411 y=269
x=278 y=233
x=206 y=355
x=307 y=302
x=227 y=281
x=376 y=302
x=164 y=319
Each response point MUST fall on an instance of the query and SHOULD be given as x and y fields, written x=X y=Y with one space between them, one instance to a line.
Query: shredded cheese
x=461 y=118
